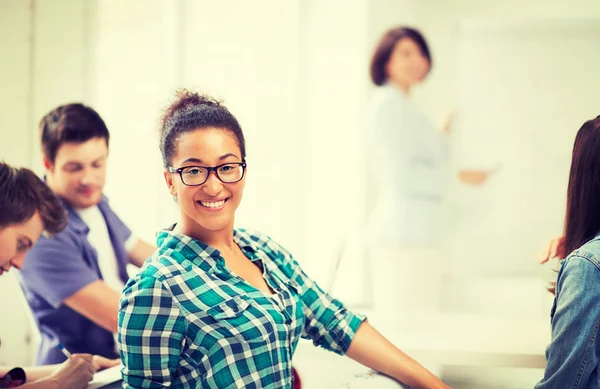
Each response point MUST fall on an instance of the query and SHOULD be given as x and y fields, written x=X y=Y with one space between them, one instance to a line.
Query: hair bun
x=185 y=99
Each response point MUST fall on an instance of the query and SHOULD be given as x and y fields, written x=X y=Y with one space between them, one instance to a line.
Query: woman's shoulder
x=161 y=267
x=583 y=263
x=589 y=252
x=387 y=97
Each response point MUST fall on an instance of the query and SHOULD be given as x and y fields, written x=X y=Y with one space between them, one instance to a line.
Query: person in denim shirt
x=574 y=352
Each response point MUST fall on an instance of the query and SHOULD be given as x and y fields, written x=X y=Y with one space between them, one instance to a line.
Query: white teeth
x=216 y=204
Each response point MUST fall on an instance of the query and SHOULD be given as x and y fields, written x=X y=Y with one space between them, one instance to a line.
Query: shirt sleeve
x=151 y=334
x=55 y=269
x=131 y=242
x=328 y=323
x=574 y=351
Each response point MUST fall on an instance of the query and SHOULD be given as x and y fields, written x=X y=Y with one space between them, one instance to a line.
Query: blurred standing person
x=410 y=159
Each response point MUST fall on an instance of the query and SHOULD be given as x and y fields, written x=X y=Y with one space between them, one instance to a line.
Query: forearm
x=37 y=377
x=97 y=302
x=44 y=383
x=371 y=349
x=140 y=252
x=38 y=372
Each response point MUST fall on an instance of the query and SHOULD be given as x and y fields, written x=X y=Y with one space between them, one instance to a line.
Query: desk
x=470 y=340
x=439 y=342
x=319 y=368
x=114 y=385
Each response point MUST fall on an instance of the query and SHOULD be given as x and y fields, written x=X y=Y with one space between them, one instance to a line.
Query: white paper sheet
x=106 y=377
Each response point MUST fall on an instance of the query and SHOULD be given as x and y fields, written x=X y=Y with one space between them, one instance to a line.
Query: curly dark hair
x=192 y=111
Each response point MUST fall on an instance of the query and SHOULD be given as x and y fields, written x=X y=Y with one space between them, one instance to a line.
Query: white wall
x=518 y=75
x=15 y=35
x=43 y=65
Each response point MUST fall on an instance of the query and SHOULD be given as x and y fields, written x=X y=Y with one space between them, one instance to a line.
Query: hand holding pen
x=75 y=372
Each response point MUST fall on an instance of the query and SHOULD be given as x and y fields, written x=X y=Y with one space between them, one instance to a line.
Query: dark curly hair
x=192 y=111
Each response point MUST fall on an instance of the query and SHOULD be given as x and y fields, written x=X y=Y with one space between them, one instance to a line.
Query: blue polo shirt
x=58 y=267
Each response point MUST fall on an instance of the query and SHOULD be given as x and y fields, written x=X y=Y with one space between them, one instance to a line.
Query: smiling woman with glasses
x=220 y=307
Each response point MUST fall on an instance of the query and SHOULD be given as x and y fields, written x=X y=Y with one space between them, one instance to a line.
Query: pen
x=64 y=350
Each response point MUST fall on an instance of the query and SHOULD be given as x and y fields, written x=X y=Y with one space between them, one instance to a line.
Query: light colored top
x=409 y=157
x=99 y=238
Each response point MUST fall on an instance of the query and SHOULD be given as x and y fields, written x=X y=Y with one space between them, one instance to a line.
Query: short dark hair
x=192 y=111
x=70 y=123
x=386 y=46
x=22 y=194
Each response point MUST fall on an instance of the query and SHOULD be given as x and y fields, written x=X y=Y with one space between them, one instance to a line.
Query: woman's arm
x=39 y=375
x=373 y=350
x=330 y=325
x=75 y=373
x=35 y=373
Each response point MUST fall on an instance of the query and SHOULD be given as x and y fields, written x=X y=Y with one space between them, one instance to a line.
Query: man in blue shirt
x=73 y=281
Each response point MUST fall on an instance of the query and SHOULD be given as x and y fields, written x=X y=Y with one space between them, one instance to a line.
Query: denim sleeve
x=573 y=353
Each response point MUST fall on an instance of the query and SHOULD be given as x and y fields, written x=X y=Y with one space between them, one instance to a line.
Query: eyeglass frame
x=210 y=169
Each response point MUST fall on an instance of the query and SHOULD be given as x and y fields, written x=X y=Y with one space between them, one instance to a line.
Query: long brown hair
x=582 y=219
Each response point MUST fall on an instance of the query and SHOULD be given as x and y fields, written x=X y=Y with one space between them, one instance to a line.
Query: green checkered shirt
x=186 y=321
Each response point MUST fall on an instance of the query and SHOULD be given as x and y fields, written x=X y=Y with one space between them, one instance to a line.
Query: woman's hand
x=473 y=177
x=446 y=122
x=101 y=363
x=553 y=249
x=74 y=373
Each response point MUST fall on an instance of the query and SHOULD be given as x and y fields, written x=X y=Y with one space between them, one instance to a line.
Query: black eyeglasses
x=197 y=175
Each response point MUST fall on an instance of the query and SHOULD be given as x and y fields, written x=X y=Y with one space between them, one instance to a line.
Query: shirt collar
x=199 y=253
x=75 y=220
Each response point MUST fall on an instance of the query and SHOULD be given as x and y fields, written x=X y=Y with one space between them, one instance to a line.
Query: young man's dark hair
x=22 y=194
x=70 y=123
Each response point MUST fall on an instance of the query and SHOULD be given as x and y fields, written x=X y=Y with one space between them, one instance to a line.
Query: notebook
x=106 y=377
